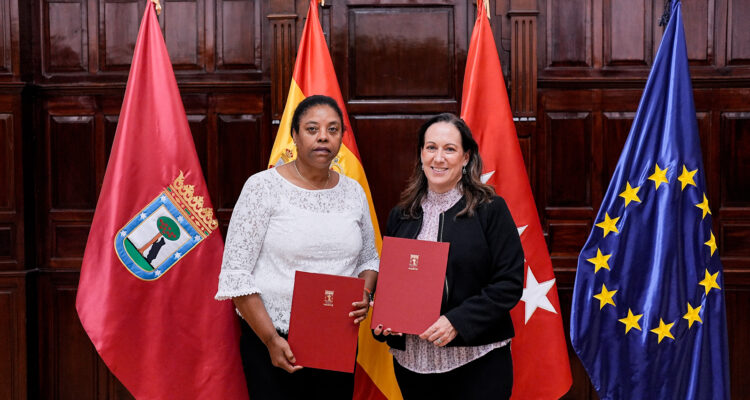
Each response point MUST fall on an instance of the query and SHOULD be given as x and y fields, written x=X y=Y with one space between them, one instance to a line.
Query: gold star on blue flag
x=662 y=261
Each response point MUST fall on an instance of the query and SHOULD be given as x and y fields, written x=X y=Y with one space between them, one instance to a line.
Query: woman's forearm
x=254 y=312
x=370 y=278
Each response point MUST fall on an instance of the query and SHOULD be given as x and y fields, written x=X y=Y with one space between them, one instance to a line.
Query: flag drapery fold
x=648 y=318
x=541 y=368
x=153 y=255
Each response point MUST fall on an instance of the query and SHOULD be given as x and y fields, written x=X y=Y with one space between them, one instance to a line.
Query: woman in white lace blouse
x=297 y=216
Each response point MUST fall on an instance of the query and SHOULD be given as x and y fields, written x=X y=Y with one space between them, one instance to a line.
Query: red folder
x=321 y=332
x=410 y=284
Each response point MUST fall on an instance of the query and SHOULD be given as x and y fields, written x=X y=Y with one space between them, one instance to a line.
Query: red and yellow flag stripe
x=314 y=74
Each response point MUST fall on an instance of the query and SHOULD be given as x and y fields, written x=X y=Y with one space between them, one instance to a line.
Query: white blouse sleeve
x=368 y=255
x=247 y=230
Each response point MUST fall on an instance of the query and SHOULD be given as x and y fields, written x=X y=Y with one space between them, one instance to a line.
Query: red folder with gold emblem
x=410 y=284
x=321 y=332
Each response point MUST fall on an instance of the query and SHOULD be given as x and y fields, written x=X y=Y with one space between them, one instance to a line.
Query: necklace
x=309 y=182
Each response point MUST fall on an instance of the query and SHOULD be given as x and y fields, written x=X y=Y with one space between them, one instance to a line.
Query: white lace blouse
x=278 y=228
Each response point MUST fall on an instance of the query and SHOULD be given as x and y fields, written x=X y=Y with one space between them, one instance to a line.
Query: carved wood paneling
x=738 y=46
x=413 y=58
x=6 y=43
x=389 y=152
x=738 y=306
x=7 y=156
x=564 y=238
x=7 y=241
x=735 y=150
x=184 y=33
x=238 y=40
x=616 y=127
x=239 y=140
x=72 y=171
x=627 y=32
x=118 y=30
x=568 y=136
x=698 y=20
x=283 y=47
x=65 y=36
x=71 y=367
x=523 y=64
x=13 y=336
x=569 y=33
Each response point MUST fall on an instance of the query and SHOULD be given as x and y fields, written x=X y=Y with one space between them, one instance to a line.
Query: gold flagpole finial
x=158 y=6
x=487 y=7
x=322 y=3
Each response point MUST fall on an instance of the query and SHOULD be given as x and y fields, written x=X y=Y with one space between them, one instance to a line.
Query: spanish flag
x=314 y=74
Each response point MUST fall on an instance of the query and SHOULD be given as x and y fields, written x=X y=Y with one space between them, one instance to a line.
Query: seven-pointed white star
x=124 y=233
x=485 y=177
x=144 y=215
x=535 y=295
x=177 y=255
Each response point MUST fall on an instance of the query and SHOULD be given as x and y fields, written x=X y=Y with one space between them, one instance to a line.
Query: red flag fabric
x=152 y=260
x=541 y=369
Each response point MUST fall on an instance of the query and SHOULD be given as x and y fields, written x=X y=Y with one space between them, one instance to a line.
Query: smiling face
x=443 y=157
x=319 y=137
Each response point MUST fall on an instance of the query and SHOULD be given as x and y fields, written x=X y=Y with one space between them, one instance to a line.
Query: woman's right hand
x=281 y=354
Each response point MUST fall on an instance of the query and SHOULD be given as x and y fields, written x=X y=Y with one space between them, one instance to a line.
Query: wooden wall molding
x=523 y=57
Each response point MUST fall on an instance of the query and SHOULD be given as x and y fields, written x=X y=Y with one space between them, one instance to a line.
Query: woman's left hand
x=360 y=309
x=440 y=333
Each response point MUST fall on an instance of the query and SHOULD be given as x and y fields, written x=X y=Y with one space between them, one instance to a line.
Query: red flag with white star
x=541 y=369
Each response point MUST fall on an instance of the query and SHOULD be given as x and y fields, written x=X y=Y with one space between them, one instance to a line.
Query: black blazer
x=484 y=277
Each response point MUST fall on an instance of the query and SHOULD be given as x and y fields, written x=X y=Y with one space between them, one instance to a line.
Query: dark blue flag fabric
x=648 y=318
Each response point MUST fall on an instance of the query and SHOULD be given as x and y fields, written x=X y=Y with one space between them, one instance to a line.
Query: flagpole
x=158 y=6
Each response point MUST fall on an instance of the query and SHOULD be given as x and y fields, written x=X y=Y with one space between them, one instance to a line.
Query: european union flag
x=648 y=318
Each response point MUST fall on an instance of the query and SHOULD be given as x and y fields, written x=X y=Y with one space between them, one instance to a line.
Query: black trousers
x=488 y=377
x=264 y=381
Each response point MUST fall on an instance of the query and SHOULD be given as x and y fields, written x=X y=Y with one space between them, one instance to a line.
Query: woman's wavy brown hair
x=475 y=192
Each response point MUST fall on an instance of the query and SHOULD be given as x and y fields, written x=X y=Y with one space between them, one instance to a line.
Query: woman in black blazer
x=466 y=352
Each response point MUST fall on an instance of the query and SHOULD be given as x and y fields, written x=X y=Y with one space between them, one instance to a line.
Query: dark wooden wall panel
x=569 y=33
x=72 y=172
x=388 y=63
x=12 y=205
x=616 y=127
x=391 y=152
x=70 y=367
x=699 y=30
x=65 y=36
x=12 y=336
x=238 y=42
x=239 y=143
x=183 y=33
x=735 y=147
x=738 y=45
x=7 y=172
x=119 y=23
x=7 y=242
x=6 y=43
x=738 y=303
x=569 y=174
x=627 y=32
